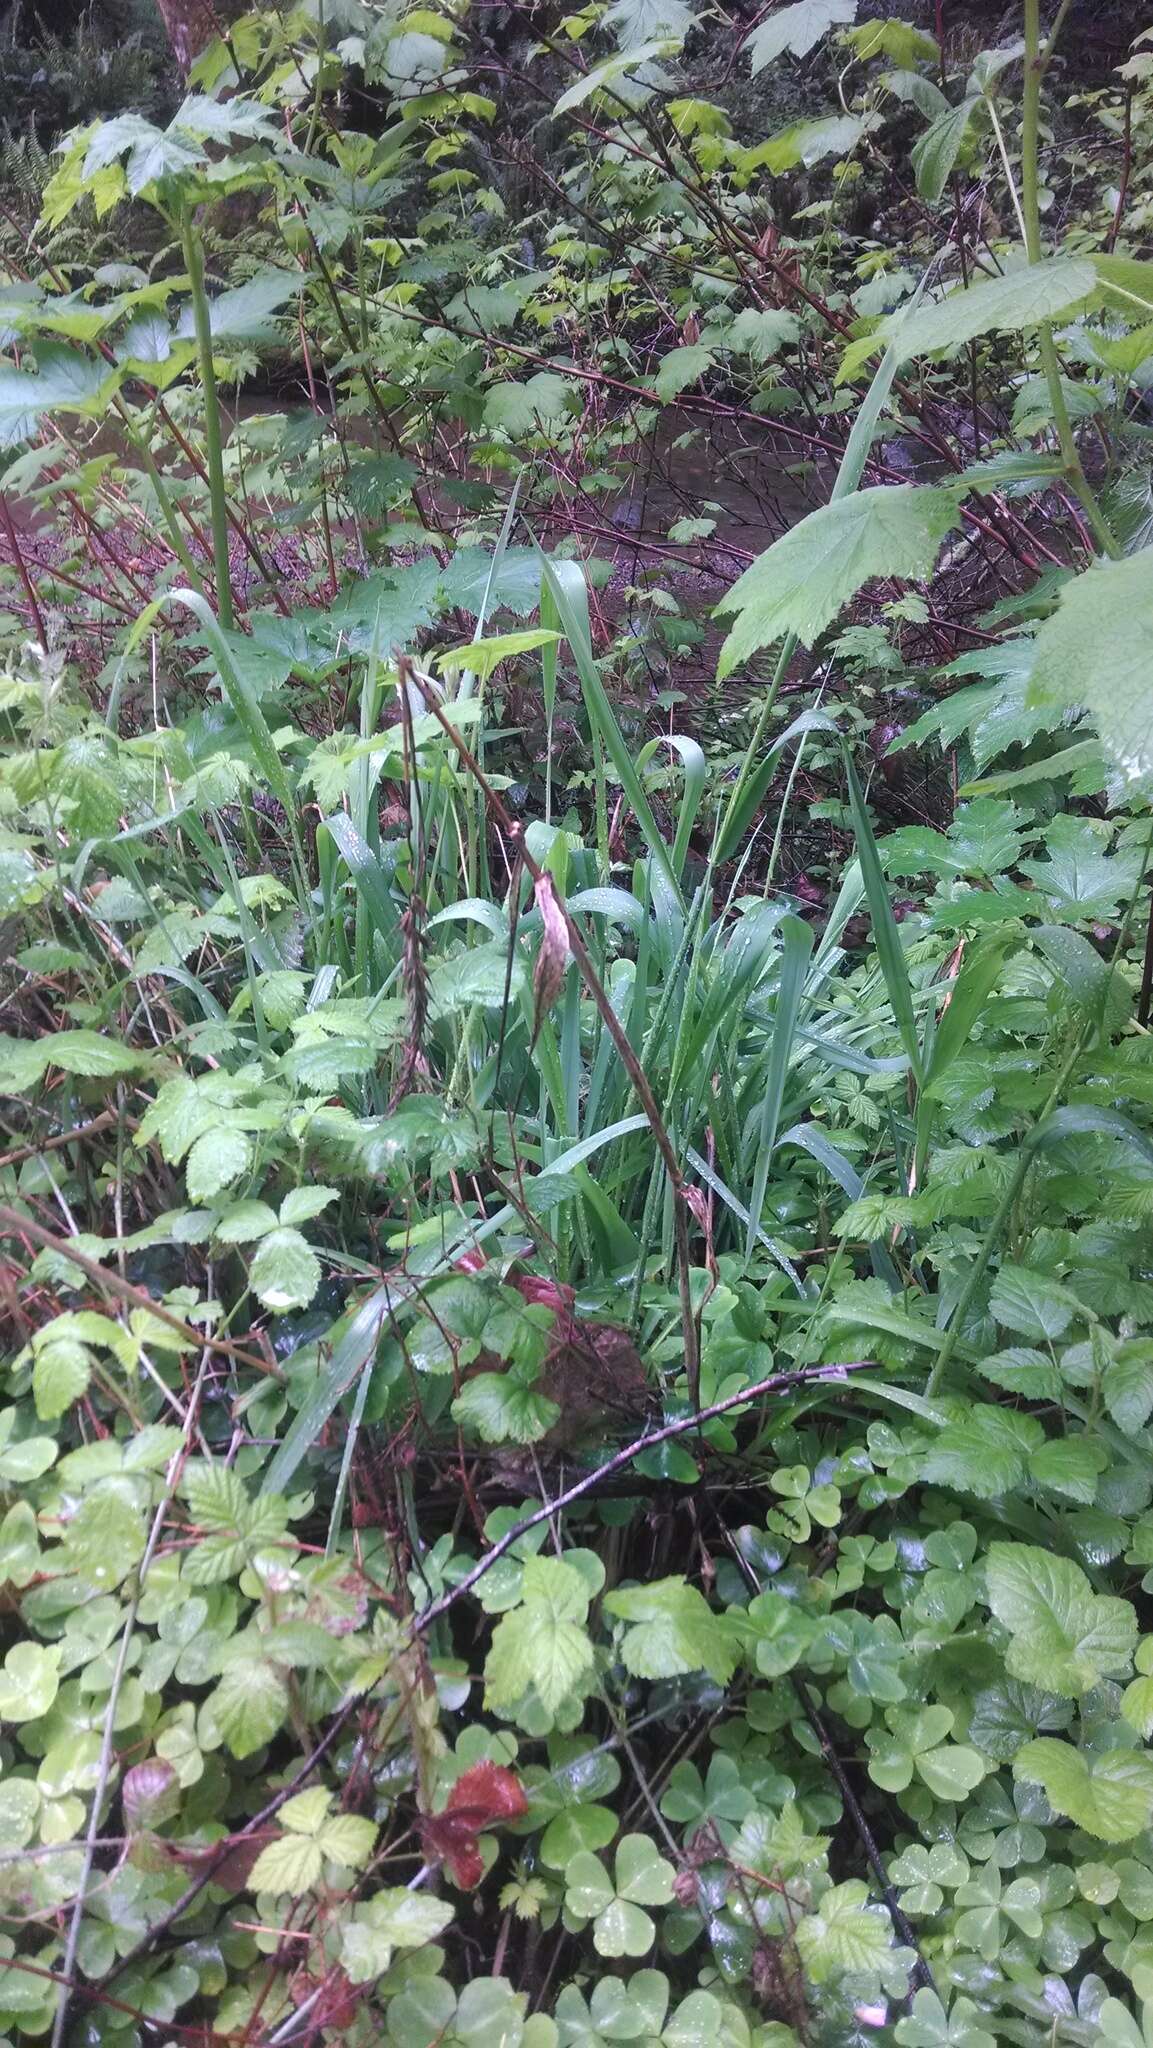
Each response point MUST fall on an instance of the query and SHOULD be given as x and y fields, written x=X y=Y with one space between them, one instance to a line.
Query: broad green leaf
x=1109 y=1793
x=680 y=368
x=795 y=29
x=1128 y=1385
x=801 y=583
x=67 y=381
x=1063 y=1636
x=935 y=153
x=843 y=1933
x=528 y=408
x=482 y=656
x=285 y=1271
x=605 y=75
x=1095 y=651
x=1033 y=1304
x=761 y=331
x=674 y=1631
x=986 y=1454
x=806 y=142
x=1071 y=1465
x=244 y=314
x=1020 y=299
x=24 y=1061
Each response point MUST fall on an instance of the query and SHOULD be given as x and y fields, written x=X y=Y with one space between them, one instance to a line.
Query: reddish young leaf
x=481 y=1796
x=491 y=1792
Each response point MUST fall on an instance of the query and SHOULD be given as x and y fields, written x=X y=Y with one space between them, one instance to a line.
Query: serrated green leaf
x=1063 y=1635
x=293 y=1864
x=1094 y=651
x=843 y=1933
x=60 y=1375
x=1109 y=1794
x=249 y=1705
x=795 y=29
x=285 y=1271
x=801 y=583
x=1018 y=300
x=674 y=1631
x=216 y=1159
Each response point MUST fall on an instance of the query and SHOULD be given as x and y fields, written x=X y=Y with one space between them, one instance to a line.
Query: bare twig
x=21 y=1152
x=776 y=1383
x=13 y=1224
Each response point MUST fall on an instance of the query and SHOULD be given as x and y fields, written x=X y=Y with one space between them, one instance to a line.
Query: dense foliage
x=577 y=1446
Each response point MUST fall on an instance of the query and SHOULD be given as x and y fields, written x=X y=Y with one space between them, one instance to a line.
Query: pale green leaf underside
x=1034 y=292
x=1097 y=650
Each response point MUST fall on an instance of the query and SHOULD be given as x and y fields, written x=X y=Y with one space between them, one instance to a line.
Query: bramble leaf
x=801 y=582
x=1063 y=1635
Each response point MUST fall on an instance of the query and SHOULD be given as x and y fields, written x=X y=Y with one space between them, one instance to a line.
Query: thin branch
x=775 y=1384
x=13 y=1224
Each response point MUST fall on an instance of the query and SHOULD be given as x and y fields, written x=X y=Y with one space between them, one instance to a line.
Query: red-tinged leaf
x=481 y=1796
x=491 y=1791
x=451 y=1838
x=534 y=1287
x=466 y=1867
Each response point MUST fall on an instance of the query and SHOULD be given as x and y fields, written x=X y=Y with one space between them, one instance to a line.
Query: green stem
x=1037 y=60
x=140 y=447
x=213 y=446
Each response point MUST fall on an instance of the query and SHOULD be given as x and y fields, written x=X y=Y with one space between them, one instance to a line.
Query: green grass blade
x=796 y=951
x=600 y=711
x=886 y=934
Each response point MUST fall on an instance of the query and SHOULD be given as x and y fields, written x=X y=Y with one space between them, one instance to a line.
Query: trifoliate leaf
x=28 y=1682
